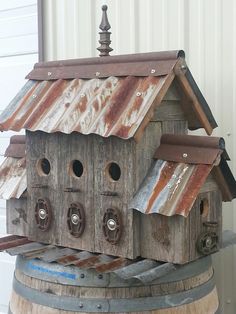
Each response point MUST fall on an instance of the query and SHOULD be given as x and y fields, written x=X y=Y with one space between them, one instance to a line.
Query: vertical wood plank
x=17 y=220
x=76 y=147
x=121 y=152
x=41 y=145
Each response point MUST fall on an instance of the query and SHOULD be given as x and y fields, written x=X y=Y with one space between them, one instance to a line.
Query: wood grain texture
x=41 y=145
x=120 y=152
x=165 y=238
x=17 y=220
x=76 y=147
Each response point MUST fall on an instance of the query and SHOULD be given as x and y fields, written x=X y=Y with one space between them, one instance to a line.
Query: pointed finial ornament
x=105 y=40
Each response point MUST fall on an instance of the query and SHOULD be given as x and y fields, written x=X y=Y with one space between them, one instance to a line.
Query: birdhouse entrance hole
x=113 y=171
x=204 y=207
x=76 y=168
x=43 y=167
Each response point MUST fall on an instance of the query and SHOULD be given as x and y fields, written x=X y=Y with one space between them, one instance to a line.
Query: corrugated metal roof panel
x=170 y=188
x=12 y=178
x=112 y=106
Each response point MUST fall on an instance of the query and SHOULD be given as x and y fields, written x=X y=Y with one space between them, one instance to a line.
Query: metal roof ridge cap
x=138 y=57
x=193 y=140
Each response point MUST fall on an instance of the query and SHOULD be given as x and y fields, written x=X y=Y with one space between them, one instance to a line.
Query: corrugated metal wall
x=205 y=29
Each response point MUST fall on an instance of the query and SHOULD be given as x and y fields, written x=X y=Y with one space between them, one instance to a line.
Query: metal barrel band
x=92 y=305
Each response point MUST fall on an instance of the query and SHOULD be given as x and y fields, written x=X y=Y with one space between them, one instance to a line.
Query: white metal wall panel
x=18 y=53
x=205 y=29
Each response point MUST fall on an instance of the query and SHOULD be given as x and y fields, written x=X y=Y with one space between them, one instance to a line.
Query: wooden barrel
x=41 y=287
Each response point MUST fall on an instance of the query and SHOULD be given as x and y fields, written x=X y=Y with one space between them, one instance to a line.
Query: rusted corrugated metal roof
x=104 y=96
x=112 y=106
x=144 y=270
x=12 y=178
x=13 y=169
x=171 y=188
x=183 y=165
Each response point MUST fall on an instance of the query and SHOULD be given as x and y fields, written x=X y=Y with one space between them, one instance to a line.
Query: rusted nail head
x=185 y=155
x=153 y=71
x=49 y=73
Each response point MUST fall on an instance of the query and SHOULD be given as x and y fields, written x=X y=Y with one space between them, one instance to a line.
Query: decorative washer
x=76 y=219
x=112 y=225
x=43 y=214
x=207 y=243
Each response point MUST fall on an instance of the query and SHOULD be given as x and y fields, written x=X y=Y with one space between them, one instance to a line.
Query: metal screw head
x=153 y=71
x=138 y=94
x=208 y=242
x=183 y=67
x=42 y=213
x=49 y=73
x=99 y=306
x=82 y=276
x=82 y=95
x=81 y=305
x=111 y=224
x=34 y=96
x=185 y=155
x=97 y=73
x=75 y=219
x=100 y=276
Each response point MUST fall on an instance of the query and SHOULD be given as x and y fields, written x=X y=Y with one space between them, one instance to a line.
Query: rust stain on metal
x=192 y=189
x=87 y=262
x=110 y=106
x=110 y=266
x=165 y=177
x=171 y=188
x=12 y=241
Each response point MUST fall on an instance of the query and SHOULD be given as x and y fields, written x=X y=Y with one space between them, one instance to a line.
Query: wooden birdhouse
x=102 y=173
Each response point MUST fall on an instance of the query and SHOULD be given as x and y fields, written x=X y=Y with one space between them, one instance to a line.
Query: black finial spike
x=104 y=41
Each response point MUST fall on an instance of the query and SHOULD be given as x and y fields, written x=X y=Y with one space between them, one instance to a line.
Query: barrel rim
x=94 y=305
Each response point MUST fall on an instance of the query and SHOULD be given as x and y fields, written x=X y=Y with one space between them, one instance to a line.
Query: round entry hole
x=43 y=167
x=113 y=170
x=204 y=207
x=76 y=168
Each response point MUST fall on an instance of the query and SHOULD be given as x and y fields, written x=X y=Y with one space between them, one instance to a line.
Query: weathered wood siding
x=17 y=219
